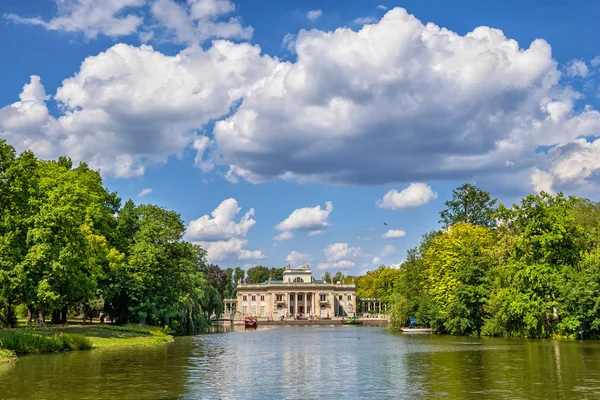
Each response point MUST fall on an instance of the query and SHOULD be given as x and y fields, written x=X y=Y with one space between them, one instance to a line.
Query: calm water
x=314 y=362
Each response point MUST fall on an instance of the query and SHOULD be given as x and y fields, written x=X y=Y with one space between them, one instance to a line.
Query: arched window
x=298 y=279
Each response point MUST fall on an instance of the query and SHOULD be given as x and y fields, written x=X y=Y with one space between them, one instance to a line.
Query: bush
x=21 y=311
x=30 y=341
x=7 y=355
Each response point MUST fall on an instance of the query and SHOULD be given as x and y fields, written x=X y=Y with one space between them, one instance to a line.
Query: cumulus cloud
x=314 y=15
x=198 y=20
x=569 y=165
x=312 y=220
x=284 y=236
x=130 y=107
x=339 y=256
x=145 y=192
x=376 y=260
x=577 y=68
x=415 y=195
x=393 y=234
x=296 y=259
x=222 y=224
x=91 y=17
x=221 y=236
x=402 y=101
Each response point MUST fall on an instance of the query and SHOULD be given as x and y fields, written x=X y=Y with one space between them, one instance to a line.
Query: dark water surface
x=314 y=363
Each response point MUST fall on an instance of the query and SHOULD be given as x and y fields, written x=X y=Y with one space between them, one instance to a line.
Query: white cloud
x=199 y=20
x=362 y=238
x=284 y=236
x=595 y=62
x=314 y=15
x=91 y=17
x=376 y=260
x=221 y=236
x=340 y=251
x=577 y=68
x=415 y=195
x=339 y=256
x=338 y=265
x=222 y=225
x=289 y=41
x=296 y=259
x=382 y=7
x=228 y=250
x=365 y=20
x=131 y=107
x=393 y=234
x=145 y=192
x=402 y=101
x=569 y=165
x=312 y=220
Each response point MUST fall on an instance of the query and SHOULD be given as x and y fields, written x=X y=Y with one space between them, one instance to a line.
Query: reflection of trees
x=156 y=371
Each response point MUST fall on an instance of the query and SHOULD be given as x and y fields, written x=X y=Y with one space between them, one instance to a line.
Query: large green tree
x=471 y=205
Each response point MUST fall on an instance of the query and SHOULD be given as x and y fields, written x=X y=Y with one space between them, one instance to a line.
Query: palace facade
x=299 y=293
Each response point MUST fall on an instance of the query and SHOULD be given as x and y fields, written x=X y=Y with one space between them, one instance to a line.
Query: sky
x=290 y=132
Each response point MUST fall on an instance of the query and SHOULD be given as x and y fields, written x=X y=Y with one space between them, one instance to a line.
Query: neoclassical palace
x=297 y=293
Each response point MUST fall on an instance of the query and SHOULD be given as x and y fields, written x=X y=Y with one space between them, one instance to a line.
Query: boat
x=352 y=321
x=250 y=322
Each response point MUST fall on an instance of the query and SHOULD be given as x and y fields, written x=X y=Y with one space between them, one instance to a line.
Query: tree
x=229 y=283
x=326 y=277
x=238 y=276
x=258 y=274
x=338 y=277
x=471 y=205
x=216 y=278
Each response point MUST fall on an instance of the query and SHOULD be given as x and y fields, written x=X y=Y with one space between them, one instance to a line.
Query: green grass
x=28 y=341
x=7 y=356
x=121 y=336
x=77 y=337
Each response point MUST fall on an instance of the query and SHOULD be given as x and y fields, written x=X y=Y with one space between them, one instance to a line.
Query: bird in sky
x=385 y=224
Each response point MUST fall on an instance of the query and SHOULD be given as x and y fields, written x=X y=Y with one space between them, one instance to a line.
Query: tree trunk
x=30 y=312
x=41 y=316
x=85 y=313
x=56 y=317
x=63 y=318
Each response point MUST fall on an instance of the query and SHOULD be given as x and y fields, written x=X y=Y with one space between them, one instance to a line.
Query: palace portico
x=297 y=294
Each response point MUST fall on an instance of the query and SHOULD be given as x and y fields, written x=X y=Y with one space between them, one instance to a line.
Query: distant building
x=297 y=293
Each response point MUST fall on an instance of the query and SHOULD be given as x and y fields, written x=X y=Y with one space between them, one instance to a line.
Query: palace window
x=244 y=298
x=279 y=297
x=340 y=298
x=349 y=297
x=262 y=297
x=323 y=297
x=299 y=297
x=308 y=297
x=253 y=298
x=298 y=279
x=262 y=310
x=244 y=310
x=254 y=310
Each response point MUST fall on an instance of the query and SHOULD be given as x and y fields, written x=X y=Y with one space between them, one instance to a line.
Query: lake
x=319 y=362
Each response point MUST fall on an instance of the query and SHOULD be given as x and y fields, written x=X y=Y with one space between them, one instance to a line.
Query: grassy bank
x=7 y=356
x=76 y=337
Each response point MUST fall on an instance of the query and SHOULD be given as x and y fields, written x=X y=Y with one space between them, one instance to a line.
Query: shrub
x=7 y=355
x=30 y=341
x=146 y=330
x=21 y=311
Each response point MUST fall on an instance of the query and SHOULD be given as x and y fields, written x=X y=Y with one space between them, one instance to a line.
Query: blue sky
x=285 y=106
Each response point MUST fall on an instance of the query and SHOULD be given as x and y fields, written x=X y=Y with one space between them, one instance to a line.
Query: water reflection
x=314 y=362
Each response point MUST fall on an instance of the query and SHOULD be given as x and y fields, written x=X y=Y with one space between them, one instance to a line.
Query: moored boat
x=250 y=322
x=352 y=321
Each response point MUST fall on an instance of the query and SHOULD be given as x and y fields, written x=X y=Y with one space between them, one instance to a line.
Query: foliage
x=7 y=355
x=33 y=341
x=534 y=272
x=471 y=205
x=67 y=244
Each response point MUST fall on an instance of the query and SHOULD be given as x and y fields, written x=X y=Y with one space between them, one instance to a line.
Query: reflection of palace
x=297 y=293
